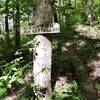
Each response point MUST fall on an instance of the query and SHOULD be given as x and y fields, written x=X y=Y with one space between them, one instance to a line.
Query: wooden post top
x=41 y=30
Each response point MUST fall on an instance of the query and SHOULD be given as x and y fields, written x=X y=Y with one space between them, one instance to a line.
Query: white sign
x=38 y=30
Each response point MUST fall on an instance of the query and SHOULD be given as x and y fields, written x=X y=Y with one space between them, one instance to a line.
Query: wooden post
x=42 y=47
x=43 y=61
x=42 y=65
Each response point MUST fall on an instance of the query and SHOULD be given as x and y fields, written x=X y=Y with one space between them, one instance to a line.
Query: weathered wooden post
x=43 y=48
x=42 y=65
x=42 y=61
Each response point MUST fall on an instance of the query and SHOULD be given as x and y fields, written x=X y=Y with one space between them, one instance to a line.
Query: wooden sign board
x=38 y=30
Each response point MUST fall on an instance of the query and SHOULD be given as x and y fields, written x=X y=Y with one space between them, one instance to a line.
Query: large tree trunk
x=43 y=51
x=43 y=15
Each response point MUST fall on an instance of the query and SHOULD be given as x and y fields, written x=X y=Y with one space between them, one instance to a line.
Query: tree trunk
x=43 y=50
x=13 y=9
x=17 y=26
x=43 y=15
x=6 y=23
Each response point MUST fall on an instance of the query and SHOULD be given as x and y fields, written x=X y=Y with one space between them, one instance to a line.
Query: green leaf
x=12 y=80
x=9 y=85
x=1 y=84
x=4 y=77
x=20 y=81
x=97 y=86
x=3 y=91
x=14 y=69
x=30 y=49
x=45 y=69
x=20 y=72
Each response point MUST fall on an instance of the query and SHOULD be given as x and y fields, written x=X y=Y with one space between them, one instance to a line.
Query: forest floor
x=79 y=47
x=84 y=43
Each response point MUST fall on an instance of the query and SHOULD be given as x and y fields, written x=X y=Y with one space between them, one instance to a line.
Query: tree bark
x=43 y=15
x=17 y=26
x=43 y=50
x=7 y=24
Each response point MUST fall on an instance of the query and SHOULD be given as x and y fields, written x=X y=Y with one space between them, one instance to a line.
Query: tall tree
x=43 y=18
x=6 y=22
x=43 y=15
x=17 y=25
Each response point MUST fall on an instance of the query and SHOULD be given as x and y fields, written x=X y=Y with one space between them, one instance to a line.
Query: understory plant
x=69 y=91
x=13 y=73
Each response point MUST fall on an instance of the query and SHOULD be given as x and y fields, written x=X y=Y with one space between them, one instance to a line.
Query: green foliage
x=70 y=91
x=97 y=85
x=3 y=91
x=12 y=72
x=28 y=94
x=69 y=13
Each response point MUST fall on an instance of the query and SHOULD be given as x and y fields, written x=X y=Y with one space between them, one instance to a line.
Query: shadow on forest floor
x=86 y=49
